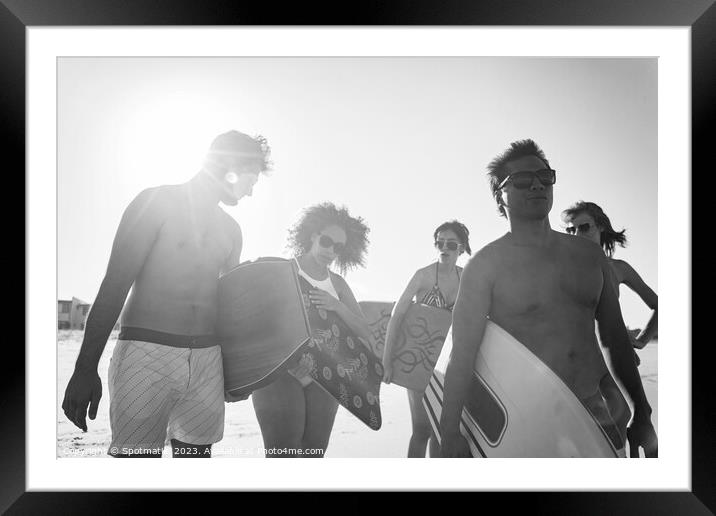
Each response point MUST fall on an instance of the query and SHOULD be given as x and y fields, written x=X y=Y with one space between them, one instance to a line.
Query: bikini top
x=434 y=297
x=325 y=284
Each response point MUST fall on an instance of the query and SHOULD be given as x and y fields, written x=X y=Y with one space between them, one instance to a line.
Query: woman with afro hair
x=295 y=415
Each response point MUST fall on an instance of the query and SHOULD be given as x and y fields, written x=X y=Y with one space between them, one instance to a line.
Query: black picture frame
x=700 y=16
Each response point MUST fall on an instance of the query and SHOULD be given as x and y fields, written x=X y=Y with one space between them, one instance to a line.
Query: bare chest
x=539 y=281
x=194 y=240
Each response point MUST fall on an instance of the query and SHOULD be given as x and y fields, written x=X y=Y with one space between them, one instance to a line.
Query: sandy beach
x=242 y=438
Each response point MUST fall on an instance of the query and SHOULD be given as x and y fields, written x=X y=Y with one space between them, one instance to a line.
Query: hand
x=324 y=300
x=230 y=398
x=454 y=445
x=84 y=388
x=637 y=360
x=641 y=433
x=635 y=342
x=387 y=370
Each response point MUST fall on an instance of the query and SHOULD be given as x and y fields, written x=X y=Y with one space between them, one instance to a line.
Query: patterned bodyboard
x=377 y=313
x=342 y=363
x=418 y=345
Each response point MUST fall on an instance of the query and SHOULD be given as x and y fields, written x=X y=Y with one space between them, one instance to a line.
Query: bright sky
x=402 y=142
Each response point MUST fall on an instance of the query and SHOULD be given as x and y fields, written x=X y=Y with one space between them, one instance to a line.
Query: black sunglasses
x=582 y=228
x=326 y=242
x=524 y=178
x=450 y=245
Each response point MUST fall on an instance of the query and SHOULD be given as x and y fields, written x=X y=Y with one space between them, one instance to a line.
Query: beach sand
x=242 y=438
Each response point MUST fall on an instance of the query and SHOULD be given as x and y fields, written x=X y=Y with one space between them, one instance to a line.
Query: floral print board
x=342 y=363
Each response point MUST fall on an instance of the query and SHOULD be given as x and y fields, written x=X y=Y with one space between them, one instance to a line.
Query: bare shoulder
x=154 y=202
x=426 y=272
x=488 y=257
x=229 y=223
x=339 y=282
x=481 y=269
x=626 y=273
x=623 y=267
x=337 y=278
x=496 y=247
x=580 y=248
x=157 y=195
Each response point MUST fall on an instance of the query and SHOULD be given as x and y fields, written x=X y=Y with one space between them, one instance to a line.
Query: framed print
x=395 y=118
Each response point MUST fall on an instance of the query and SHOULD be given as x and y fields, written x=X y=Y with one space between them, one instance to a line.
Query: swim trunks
x=597 y=407
x=160 y=392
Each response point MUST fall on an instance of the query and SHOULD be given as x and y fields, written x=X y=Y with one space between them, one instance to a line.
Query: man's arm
x=472 y=306
x=613 y=334
x=135 y=236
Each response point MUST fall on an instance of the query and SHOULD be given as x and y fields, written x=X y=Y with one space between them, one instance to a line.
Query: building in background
x=63 y=314
x=72 y=315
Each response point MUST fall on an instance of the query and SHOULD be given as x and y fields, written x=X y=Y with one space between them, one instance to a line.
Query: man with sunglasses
x=546 y=289
x=165 y=375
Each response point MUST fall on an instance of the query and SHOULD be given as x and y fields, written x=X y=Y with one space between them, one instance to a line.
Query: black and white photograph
x=378 y=180
x=367 y=255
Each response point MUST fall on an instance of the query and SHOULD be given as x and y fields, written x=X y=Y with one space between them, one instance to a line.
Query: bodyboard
x=418 y=345
x=342 y=363
x=262 y=324
x=377 y=313
x=517 y=406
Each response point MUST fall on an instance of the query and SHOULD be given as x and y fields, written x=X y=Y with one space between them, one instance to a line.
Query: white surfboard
x=517 y=406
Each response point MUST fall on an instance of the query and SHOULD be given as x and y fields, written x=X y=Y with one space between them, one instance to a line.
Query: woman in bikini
x=295 y=414
x=435 y=285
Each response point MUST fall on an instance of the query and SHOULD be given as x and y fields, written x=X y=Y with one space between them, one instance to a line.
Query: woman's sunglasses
x=582 y=228
x=450 y=245
x=524 y=178
x=327 y=242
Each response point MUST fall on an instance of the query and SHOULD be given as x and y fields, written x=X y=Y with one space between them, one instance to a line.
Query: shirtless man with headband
x=545 y=289
x=172 y=244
